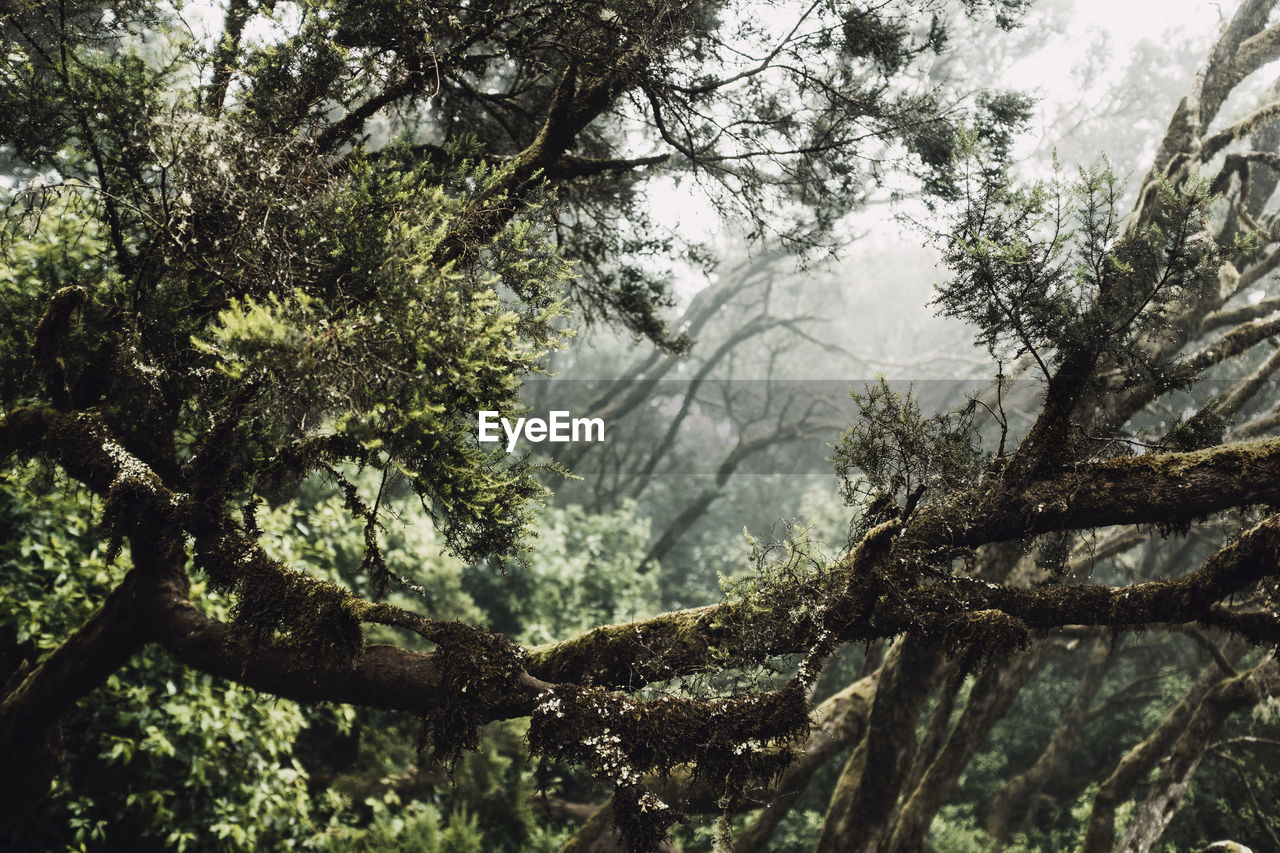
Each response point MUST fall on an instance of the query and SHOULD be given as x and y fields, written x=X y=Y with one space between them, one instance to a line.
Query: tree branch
x=225 y=54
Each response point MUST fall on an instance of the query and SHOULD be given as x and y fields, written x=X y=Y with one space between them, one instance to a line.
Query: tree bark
x=31 y=712
x=935 y=734
x=1165 y=795
x=1020 y=792
x=861 y=805
x=841 y=720
x=988 y=702
x=1138 y=761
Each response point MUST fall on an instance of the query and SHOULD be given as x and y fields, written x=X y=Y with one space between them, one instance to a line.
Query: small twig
x=435 y=62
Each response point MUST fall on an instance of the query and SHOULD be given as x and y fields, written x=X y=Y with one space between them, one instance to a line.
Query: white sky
x=1125 y=21
x=1046 y=73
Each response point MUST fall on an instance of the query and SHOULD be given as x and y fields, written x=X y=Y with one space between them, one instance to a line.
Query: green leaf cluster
x=161 y=755
x=1049 y=270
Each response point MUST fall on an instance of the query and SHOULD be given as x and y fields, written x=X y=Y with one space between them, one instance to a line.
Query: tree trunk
x=30 y=714
x=1138 y=762
x=935 y=734
x=841 y=719
x=861 y=805
x=989 y=700
x=1162 y=800
x=1017 y=795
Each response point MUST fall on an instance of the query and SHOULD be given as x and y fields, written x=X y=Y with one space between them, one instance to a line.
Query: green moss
x=475 y=666
x=641 y=818
x=981 y=636
x=623 y=654
x=729 y=743
x=275 y=604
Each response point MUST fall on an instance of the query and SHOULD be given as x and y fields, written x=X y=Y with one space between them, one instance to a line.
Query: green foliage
x=791 y=579
x=140 y=96
x=404 y=828
x=162 y=756
x=242 y=272
x=317 y=535
x=798 y=832
x=273 y=300
x=377 y=350
x=167 y=756
x=954 y=831
x=583 y=575
x=1049 y=270
x=894 y=457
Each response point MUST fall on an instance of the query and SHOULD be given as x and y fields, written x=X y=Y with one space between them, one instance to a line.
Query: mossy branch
x=1151 y=489
x=1233 y=343
x=50 y=331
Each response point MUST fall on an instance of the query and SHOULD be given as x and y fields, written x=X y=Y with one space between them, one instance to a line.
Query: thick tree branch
x=993 y=692
x=1253 y=121
x=1255 y=52
x=351 y=123
x=384 y=677
x=1197 y=109
x=1150 y=489
x=868 y=786
x=569 y=168
x=575 y=103
x=1239 y=164
x=1020 y=791
x=1138 y=761
x=838 y=721
x=1239 y=340
x=1161 y=802
x=1262 y=311
x=31 y=713
x=225 y=54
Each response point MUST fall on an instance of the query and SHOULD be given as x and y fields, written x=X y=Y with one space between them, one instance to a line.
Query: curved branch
x=1138 y=761
x=31 y=712
x=1153 y=814
x=1230 y=345
x=1258 y=118
x=384 y=677
x=1237 y=316
x=1149 y=489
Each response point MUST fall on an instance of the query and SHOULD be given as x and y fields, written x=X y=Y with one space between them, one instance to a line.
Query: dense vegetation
x=264 y=588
